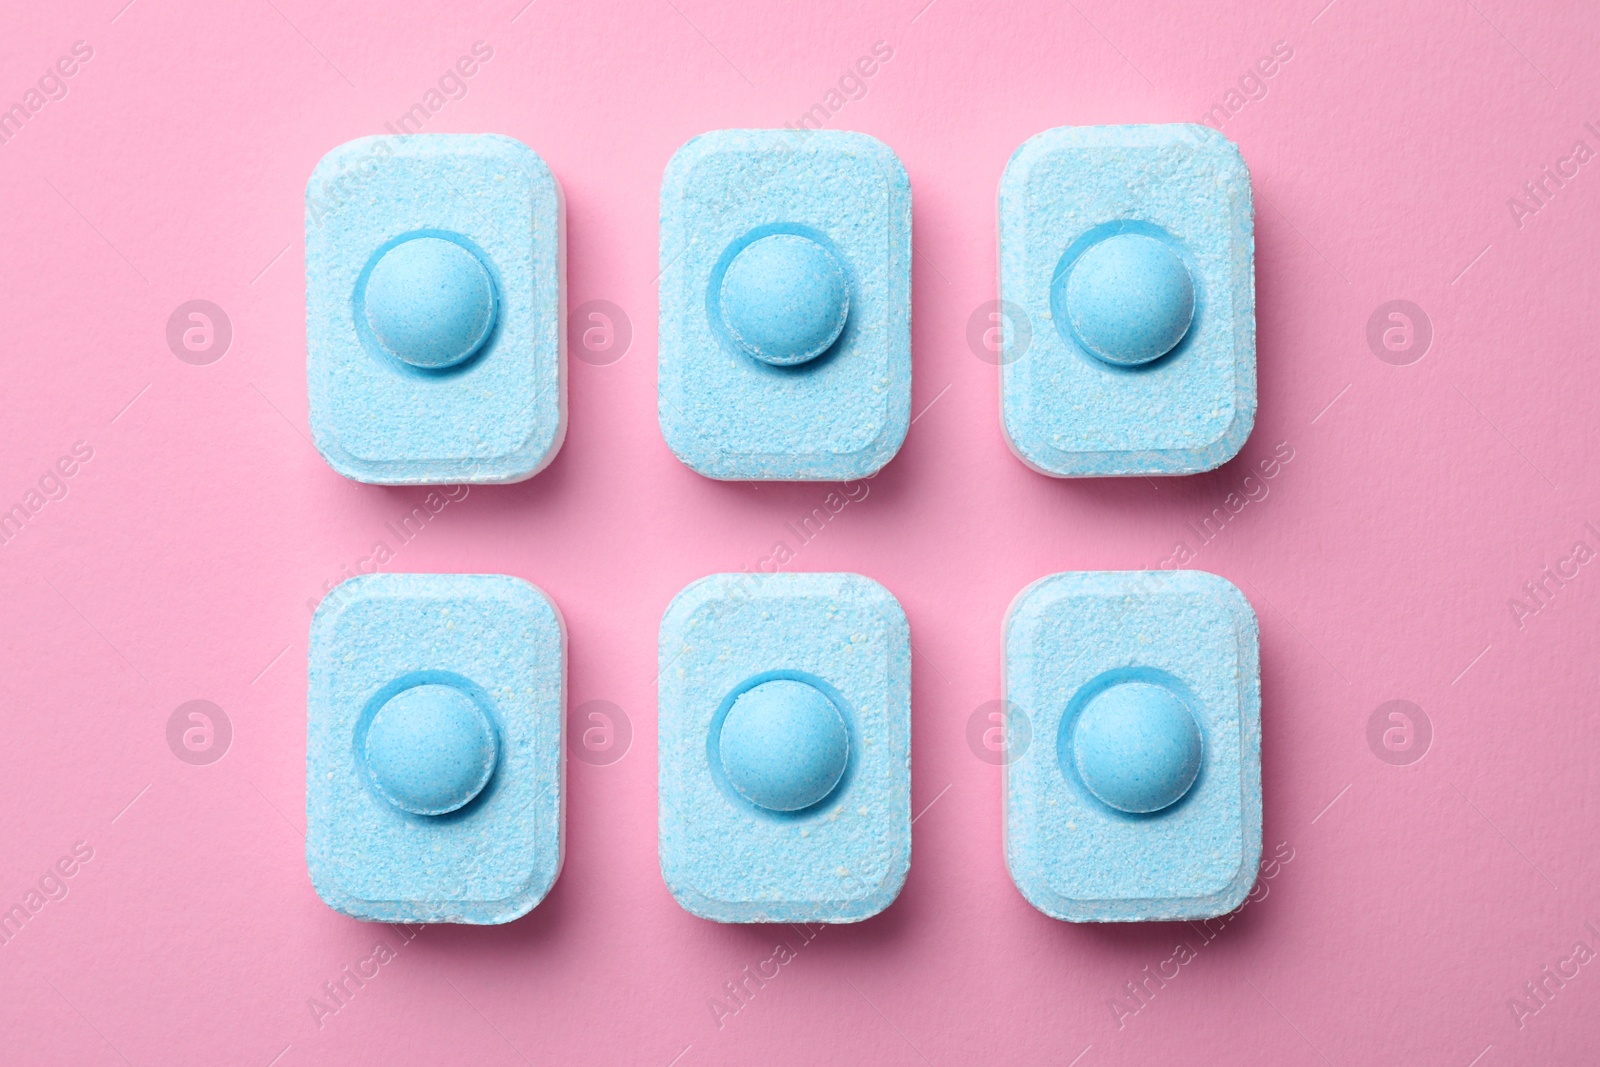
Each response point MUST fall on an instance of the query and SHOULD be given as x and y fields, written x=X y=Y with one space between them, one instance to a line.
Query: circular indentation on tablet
x=1128 y=298
x=430 y=302
x=1137 y=747
x=784 y=299
x=783 y=745
x=430 y=749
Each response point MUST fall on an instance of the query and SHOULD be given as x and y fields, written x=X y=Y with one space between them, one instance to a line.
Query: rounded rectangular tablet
x=785 y=339
x=435 y=772
x=785 y=748
x=1127 y=299
x=435 y=346
x=1132 y=704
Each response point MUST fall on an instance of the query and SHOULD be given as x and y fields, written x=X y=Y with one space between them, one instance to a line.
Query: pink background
x=1382 y=561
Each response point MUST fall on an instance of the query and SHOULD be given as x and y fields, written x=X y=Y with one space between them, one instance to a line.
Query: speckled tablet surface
x=785 y=748
x=785 y=343
x=1128 y=282
x=1139 y=794
x=434 y=309
x=434 y=760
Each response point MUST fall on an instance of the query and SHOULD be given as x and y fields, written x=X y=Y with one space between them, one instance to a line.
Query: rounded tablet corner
x=555 y=611
x=1019 y=157
x=1213 y=583
x=341 y=461
x=336 y=159
x=880 y=592
x=684 y=450
x=349 y=909
x=319 y=885
x=532 y=594
x=690 y=900
x=1041 y=898
x=692 y=905
x=1021 y=600
x=1020 y=450
x=888 y=891
x=688 y=599
x=886 y=157
x=1231 y=897
x=684 y=157
x=520 y=469
x=870 y=459
x=1199 y=131
x=881 y=450
x=519 y=906
x=339 y=597
x=514 y=145
x=1215 y=140
x=538 y=170
x=561 y=224
x=1224 y=448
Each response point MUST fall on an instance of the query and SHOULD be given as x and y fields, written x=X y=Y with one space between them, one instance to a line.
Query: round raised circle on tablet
x=430 y=749
x=784 y=299
x=1129 y=299
x=430 y=302
x=783 y=745
x=1137 y=747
